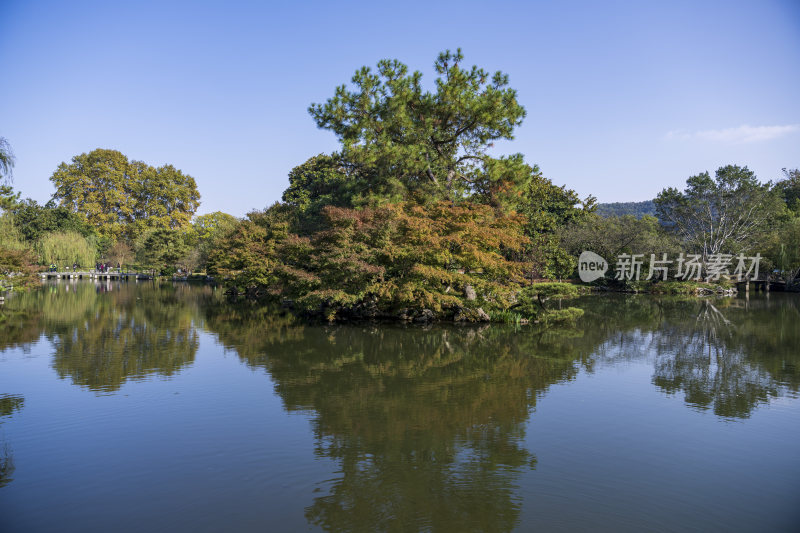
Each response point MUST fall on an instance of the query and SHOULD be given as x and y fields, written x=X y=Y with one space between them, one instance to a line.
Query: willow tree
x=123 y=198
x=66 y=248
x=6 y=159
x=7 y=197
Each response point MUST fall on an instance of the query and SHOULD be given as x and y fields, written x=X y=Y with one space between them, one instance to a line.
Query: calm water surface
x=149 y=407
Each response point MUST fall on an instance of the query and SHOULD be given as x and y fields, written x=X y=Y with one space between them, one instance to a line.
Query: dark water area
x=161 y=407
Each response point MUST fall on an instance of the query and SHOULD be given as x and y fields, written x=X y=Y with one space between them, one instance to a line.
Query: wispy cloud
x=739 y=135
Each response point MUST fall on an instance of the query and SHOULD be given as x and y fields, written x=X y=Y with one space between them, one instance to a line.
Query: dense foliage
x=35 y=221
x=406 y=140
x=66 y=248
x=402 y=257
x=731 y=213
x=412 y=217
x=122 y=198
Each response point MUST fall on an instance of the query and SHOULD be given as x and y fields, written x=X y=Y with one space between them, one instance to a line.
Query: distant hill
x=637 y=209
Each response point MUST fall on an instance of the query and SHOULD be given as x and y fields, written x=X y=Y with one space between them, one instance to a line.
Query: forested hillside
x=618 y=209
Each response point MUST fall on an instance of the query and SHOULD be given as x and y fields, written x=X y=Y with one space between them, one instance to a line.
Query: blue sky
x=623 y=98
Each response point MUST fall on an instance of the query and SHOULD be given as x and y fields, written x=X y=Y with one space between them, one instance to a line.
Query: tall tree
x=123 y=198
x=614 y=235
x=97 y=187
x=727 y=214
x=417 y=141
x=163 y=197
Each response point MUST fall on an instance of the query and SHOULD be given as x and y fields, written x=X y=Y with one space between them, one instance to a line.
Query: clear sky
x=623 y=98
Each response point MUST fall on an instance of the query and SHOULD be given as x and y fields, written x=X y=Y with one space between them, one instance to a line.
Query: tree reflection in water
x=9 y=403
x=427 y=425
x=728 y=357
x=724 y=354
x=103 y=338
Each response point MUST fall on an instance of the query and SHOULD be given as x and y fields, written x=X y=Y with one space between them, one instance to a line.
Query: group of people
x=106 y=267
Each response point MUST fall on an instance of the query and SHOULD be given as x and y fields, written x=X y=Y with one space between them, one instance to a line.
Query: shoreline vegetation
x=414 y=218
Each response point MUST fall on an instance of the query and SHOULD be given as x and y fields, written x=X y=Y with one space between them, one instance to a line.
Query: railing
x=93 y=274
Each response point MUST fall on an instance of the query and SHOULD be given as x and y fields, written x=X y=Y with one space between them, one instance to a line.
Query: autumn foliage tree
x=380 y=261
x=249 y=255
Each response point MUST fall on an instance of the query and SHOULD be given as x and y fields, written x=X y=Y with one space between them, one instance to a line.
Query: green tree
x=784 y=250
x=209 y=227
x=731 y=213
x=615 y=235
x=16 y=257
x=65 y=248
x=162 y=197
x=206 y=233
x=250 y=255
x=123 y=198
x=161 y=248
x=322 y=180
x=34 y=220
x=403 y=139
x=789 y=189
x=547 y=208
x=10 y=236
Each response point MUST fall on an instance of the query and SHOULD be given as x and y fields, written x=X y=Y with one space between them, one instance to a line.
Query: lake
x=165 y=407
